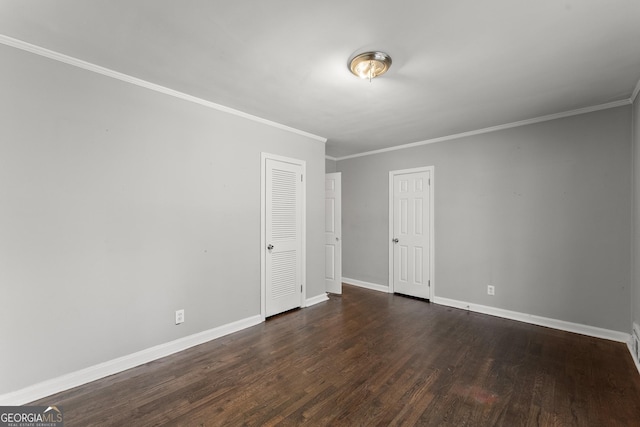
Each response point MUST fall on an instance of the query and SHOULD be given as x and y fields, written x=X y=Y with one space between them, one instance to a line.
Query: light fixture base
x=369 y=65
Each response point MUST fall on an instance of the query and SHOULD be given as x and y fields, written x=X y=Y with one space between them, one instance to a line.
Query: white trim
x=263 y=221
x=366 y=285
x=330 y=158
x=390 y=239
x=631 y=345
x=316 y=300
x=263 y=240
x=494 y=128
x=101 y=370
x=56 y=56
x=634 y=94
x=335 y=285
x=432 y=276
x=562 y=325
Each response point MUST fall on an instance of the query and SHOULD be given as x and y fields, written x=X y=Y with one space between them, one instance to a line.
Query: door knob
x=270 y=247
x=395 y=240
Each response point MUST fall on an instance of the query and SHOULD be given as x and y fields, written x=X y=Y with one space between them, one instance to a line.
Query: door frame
x=263 y=229
x=339 y=227
x=392 y=174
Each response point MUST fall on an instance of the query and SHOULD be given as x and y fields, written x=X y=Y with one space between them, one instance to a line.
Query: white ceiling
x=458 y=65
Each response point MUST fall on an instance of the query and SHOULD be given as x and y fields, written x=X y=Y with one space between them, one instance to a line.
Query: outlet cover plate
x=179 y=316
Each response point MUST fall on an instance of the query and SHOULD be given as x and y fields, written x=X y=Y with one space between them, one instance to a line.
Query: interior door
x=333 y=233
x=411 y=233
x=283 y=236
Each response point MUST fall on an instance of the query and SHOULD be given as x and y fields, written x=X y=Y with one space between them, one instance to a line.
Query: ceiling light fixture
x=369 y=65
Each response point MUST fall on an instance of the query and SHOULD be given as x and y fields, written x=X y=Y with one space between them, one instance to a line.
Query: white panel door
x=283 y=236
x=411 y=229
x=333 y=232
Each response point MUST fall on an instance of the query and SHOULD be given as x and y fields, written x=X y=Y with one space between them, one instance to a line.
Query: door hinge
x=300 y=288
x=301 y=178
x=429 y=283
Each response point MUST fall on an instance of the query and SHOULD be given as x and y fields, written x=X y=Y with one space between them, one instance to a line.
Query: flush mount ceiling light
x=369 y=65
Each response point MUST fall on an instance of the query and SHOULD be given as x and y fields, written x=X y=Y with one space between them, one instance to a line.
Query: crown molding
x=57 y=56
x=494 y=128
x=70 y=60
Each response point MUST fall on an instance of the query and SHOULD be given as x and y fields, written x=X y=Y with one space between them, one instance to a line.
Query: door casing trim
x=338 y=270
x=263 y=220
x=392 y=174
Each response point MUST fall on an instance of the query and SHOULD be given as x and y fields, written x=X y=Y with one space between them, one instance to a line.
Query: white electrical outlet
x=179 y=317
x=491 y=290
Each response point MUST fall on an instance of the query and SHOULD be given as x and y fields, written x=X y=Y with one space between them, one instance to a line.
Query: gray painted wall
x=329 y=165
x=542 y=212
x=636 y=212
x=121 y=205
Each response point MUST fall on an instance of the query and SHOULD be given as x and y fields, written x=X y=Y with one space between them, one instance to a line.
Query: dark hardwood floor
x=368 y=358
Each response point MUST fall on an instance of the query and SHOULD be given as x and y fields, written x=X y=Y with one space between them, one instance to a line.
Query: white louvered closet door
x=283 y=229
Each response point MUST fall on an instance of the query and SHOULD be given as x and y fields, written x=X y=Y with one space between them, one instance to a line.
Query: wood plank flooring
x=367 y=358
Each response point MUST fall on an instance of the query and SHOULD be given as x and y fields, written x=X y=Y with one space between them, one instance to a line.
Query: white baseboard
x=562 y=325
x=521 y=317
x=367 y=285
x=633 y=344
x=316 y=300
x=92 y=373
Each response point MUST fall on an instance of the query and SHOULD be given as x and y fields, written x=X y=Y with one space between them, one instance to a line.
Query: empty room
x=320 y=213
